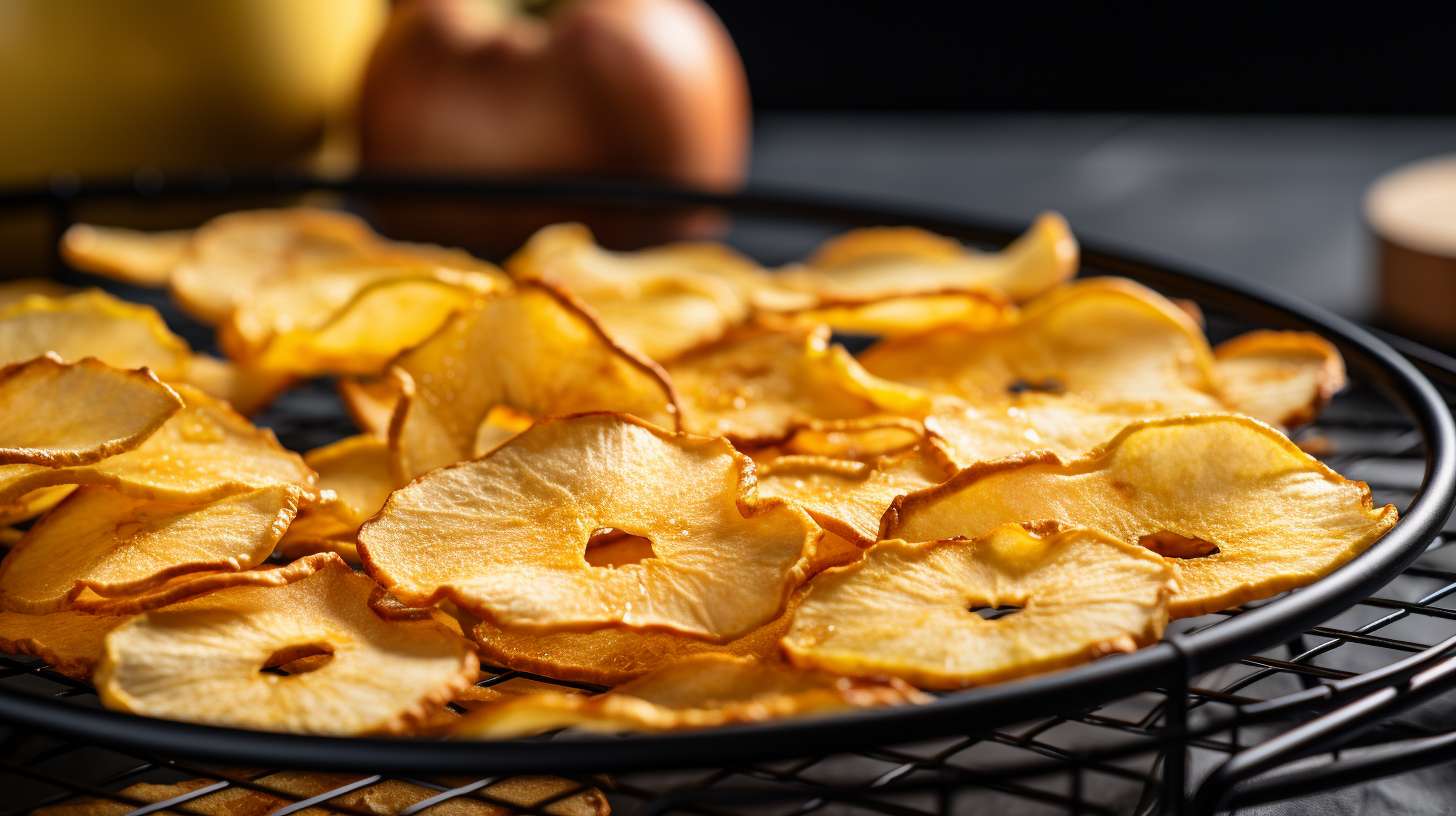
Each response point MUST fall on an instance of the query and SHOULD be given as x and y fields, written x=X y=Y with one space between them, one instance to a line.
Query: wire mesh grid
x=1145 y=753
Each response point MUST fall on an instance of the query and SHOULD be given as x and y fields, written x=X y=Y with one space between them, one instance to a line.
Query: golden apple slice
x=703 y=691
x=759 y=385
x=1240 y=510
x=69 y=641
x=911 y=610
x=1283 y=378
x=59 y=414
x=504 y=536
x=879 y=263
x=131 y=256
x=533 y=351
x=200 y=661
x=205 y=451
x=113 y=544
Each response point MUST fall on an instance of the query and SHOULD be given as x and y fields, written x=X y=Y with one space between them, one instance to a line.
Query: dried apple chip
x=845 y=496
x=127 y=255
x=59 y=414
x=1253 y=514
x=758 y=385
x=660 y=301
x=1103 y=339
x=69 y=641
x=33 y=504
x=18 y=289
x=612 y=656
x=113 y=544
x=245 y=387
x=533 y=351
x=855 y=439
x=200 y=661
x=504 y=536
x=879 y=263
x=232 y=254
x=910 y=314
x=203 y=452
x=371 y=401
x=912 y=611
x=354 y=480
x=346 y=319
x=91 y=323
x=1283 y=378
x=703 y=691
x=191 y=585
x=1064 y=425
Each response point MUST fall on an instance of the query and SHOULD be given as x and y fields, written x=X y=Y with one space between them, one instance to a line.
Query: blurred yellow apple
x=97 y=88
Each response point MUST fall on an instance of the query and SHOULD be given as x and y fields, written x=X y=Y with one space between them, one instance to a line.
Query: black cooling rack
x=1327 y=686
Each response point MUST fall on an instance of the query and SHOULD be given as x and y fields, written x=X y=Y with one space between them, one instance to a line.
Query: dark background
x=1379 y=58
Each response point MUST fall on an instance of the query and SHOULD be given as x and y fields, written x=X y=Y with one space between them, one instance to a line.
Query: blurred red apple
x=622 y=88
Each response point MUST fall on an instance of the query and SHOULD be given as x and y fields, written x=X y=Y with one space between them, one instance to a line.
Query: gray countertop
x=1271 y=199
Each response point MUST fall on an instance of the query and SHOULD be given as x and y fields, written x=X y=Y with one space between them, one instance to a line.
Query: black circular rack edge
x=1328 y=708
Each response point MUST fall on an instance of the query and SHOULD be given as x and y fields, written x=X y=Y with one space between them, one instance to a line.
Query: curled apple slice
x=879 y=263
x=59 y=414
x=113 y=544
x=704 y=691
x=611 y=656
x=127 y=255
x=1240 y=510
x=70 y=641
x=848 y=497
x=660 y=301
x=1283 y=378
x=758 y=385
x=1103 y=339
x=204 y=451
x=534 y=351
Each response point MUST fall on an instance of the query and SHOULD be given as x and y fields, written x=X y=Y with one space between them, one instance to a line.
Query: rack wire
x=1342 y=702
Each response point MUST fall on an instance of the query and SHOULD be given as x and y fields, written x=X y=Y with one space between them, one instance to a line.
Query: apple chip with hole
x=203 y=660
x=69 y=641
x=505 y=536
x=1240 y=512
x=879 y=263
x=848 y=497
x=947 y=614
x=204 y=451
x=660 y=301
x=116 y=545
x=758 y=385
x=533 y=351
x=703 y=691
x=1283 y=378
x=1103 y=339
x=59 y=414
